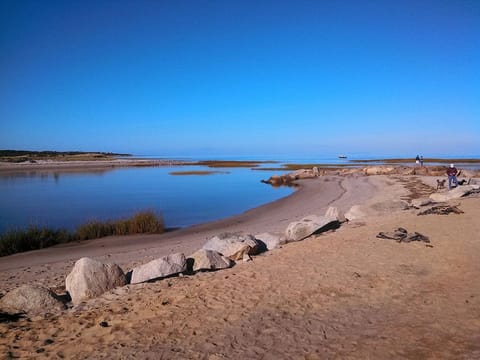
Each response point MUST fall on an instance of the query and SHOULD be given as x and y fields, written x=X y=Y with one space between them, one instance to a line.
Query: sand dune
x=343 y=294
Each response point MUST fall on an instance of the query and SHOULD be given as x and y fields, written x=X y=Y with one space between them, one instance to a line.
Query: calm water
x=69 y=199
x=65 y=200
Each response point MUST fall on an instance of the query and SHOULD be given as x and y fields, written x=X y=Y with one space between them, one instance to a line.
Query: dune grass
x=35 y=237
x=232 y=163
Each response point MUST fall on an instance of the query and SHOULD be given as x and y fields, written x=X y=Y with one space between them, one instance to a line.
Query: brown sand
x=343 y=294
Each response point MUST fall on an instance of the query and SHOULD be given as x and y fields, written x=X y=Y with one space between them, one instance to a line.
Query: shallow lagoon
x=67 y=199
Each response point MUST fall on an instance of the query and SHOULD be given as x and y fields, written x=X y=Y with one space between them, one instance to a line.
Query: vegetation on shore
x=17 y=156
x=232 y=163
x=33 y=238
x=425 y=160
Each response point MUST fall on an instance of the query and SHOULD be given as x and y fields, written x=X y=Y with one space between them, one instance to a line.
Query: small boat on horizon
x=342 y=156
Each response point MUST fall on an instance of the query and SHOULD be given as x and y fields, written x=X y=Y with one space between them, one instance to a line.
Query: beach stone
x=303 y=174
x=299 y=230
x=378 y=170
x=159 y=268
x=334 y=212
x=421 y=202
x=455 y=193
x=31 y=299
x=271 y=241
x=90 y=278
x=355 y=212
x=234 y=246
x=209 y=260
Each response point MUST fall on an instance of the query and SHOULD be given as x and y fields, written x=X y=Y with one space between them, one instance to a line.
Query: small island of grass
x=198 y=172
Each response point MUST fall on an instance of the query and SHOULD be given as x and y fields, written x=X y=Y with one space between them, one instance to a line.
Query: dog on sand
x=440 y=184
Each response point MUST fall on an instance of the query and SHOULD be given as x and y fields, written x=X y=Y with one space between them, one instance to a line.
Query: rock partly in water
x=31 y=299
x=271 y=241
x=90 y=278
x=234 y=246
x=159 y=268
x=209 y=260
x=299 y=230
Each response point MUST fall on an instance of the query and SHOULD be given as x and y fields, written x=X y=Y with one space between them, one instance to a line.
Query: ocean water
x=62 y=199
x=68 y=199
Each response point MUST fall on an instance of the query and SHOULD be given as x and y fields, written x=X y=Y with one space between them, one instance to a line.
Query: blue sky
x=241 y=77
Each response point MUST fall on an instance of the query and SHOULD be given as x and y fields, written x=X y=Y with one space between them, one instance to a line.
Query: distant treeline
x=54 y=153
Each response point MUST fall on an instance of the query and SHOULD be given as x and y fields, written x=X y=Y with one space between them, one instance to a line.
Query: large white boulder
x=271 y=241
x=299 y=230
x=209 y=260
x=455 y=193
x=31 y=299
x=355 y=212
x=334 y=212
x=159 y=268
x=90 y=278
x=234 y=246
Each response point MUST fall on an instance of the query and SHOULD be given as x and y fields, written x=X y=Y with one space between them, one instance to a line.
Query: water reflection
x=61 y=198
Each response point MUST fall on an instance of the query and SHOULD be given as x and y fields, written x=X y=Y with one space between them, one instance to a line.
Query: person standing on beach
x=452 y=176
x=421 y=160
x=417 y=160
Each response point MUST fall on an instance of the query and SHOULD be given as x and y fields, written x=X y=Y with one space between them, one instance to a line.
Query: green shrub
x=141 y=223
x=33 y=238
x=93 y=230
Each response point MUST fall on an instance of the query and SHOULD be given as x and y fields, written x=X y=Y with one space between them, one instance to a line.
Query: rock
x=417 y=203
x=378 y=170
x=303 y=174
x=246 y=257
x=159 y=268
x=90 y=278
x=299 y=230
x=271 y=241
x=355 y=212
x=234 y=246
x=31 y=299
x=209 y=260
x=333 y=212
x=455 y=193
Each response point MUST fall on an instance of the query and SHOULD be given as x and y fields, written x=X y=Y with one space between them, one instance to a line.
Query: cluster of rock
x=90 y=278
x=288 y=179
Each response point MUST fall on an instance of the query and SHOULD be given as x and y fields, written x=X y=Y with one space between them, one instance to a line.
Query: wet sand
x=343 y=294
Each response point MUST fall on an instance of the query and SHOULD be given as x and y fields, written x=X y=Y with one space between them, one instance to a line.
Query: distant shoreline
x=102 y=162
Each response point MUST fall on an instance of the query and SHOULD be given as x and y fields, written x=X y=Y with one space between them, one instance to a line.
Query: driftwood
x=402 y=235
x=442 y=210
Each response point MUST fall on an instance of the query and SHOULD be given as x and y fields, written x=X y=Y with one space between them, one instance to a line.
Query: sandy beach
x=341 y=294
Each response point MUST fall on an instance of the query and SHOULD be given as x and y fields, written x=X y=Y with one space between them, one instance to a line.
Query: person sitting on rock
x=452 y=176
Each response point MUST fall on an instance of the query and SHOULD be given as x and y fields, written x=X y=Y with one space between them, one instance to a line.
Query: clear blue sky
x=241 y=77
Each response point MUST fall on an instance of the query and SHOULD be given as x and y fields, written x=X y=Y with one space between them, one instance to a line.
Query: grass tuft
x=33 y=238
